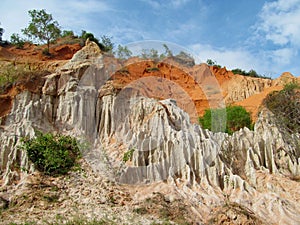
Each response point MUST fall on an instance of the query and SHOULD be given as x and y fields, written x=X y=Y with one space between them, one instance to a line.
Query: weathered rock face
x=242 y=87
x=208 y=168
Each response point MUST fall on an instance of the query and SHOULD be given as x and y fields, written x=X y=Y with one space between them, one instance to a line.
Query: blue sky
x=259 y=35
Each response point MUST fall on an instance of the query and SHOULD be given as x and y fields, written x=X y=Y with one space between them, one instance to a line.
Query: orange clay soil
x=33 y=55
x=61 y=50
x=194 y=89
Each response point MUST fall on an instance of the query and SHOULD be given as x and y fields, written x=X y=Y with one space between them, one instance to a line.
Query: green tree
x=42 y=27
x=107 y=43
x=67 y=33
x=16 y=40
x=231 y=119
x=253 y=73
x=239 y=71
x=123 y=52
x=168 y=52
x=151 y=54
x=86 y=35
x=211 y=62
x=154 y=54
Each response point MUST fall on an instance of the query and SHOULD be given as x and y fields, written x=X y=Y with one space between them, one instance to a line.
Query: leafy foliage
x=86 y=35
x=250 y=73
x=42 y=27
x=211 y=62
x=107 y=43
x=236 y=117
x=151 y=54
x=123 y=52
x=13 y=73
x=16 y=40
x=128 y=155
x=168 y=52
x=285 y=104
x=151 y=69
x=52 y=154
x=67 y=33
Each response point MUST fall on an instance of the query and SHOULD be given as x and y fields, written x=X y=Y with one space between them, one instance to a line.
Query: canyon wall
x=82 y=99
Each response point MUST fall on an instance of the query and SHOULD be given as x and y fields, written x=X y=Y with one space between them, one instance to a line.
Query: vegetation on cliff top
x=42 y=27
x=250 y=73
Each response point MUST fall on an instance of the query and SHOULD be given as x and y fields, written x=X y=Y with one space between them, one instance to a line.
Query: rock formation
x=251 y=169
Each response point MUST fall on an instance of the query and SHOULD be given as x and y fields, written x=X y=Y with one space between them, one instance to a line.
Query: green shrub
x=11 y=74
x=107 y=43
x=128 y=155
x=152 y=69
x=285 y=104
x=123 y=52
x=85 y=35
x=250 y=73
x=229 y=120
x=17 y=41
x=67 y=33
x=52 y=154
x=211 y=62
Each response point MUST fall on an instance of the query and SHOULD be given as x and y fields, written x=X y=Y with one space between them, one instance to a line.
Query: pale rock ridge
x=242 y=87
x=76 y=100
x=168 y=147
x=285 y=78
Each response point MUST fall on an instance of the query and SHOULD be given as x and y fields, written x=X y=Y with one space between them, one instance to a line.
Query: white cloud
x=283 y=56
x=280 y=22
x=231 y=58
x=269 y=63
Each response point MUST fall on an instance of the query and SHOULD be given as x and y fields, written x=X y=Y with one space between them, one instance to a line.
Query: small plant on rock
x=128 y=155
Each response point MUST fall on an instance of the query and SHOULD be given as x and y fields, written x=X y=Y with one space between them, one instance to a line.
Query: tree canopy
x=42 y=27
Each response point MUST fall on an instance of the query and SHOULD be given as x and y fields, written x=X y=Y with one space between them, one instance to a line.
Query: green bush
x=152 y=69
x=85 y=35
x=250 y=73
x=229 y=120
x=211 y=62
x=52 y=154
x=13 y=74
x=17 y=41
x=128 y=155
x=67 y=33
x=285 y=104
x=107 y=43
x=123 y=52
